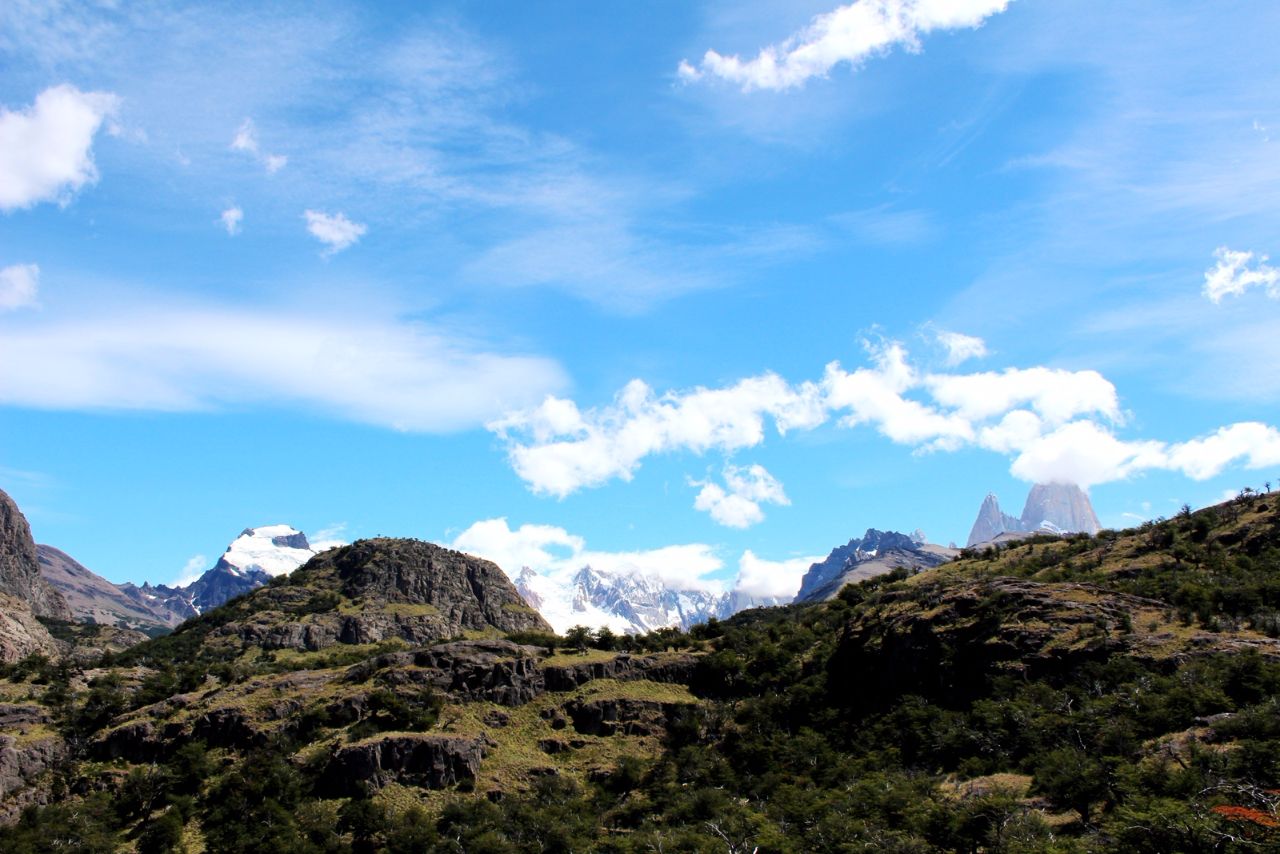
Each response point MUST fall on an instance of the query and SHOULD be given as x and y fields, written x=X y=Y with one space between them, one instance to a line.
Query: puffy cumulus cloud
x=18 y=286
x=334 y=230
x=737 y=504
x=850 y=34
x=191 y=357
x=246 y=140
x=1056 y=425
x=1236 y=272
x=1253 y=444
x=1085 y=453
x=876 y=396
x=777 y=579
x=1055 y=395
x=568 y=449
x=46 y=150
x=960 y=347
x=231 y=219
x=553 y=551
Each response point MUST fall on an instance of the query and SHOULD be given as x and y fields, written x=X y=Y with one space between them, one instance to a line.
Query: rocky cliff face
x=1055 y=508
x=1061 y=505
x=992 y=522
x=20 y=568
x=876 y=553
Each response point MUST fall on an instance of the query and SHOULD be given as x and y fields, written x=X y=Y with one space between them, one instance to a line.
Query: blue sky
x=746 y=278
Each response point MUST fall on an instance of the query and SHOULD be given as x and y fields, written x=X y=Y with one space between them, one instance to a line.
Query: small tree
x=578 y=637
x=604 y=638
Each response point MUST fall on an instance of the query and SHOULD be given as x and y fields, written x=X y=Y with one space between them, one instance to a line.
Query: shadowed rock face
x=19 y=567
x=430 y=761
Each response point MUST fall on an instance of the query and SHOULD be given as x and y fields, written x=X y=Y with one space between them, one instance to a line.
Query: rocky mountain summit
x=372 y=591
x=1053 y=508
x=875 y=553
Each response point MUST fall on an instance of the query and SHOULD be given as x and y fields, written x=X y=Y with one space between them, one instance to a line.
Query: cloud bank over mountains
x=1057 y=426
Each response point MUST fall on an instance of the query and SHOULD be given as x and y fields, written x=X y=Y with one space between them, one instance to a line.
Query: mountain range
x=628 y=602
x=1106 y=694
x=625 y=602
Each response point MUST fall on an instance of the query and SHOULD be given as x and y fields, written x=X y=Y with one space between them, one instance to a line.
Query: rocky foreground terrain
x=1115 y=692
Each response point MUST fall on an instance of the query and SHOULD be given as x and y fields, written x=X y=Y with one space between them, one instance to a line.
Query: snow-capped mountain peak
x=273 y=549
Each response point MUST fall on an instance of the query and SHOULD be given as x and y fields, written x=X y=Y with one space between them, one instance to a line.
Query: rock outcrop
x=429 y=761
x=20 y=568
x=380 y=590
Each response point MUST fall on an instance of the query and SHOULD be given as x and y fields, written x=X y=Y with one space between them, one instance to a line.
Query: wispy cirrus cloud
x=18 y=286
x=848 y=35
x=246 y=140
x=183 y=357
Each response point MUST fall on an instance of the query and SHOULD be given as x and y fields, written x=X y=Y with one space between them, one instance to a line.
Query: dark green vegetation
x=1110 y=693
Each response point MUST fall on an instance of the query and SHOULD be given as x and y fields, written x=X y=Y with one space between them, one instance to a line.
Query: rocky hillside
x=1109 y=693
x=93 y=599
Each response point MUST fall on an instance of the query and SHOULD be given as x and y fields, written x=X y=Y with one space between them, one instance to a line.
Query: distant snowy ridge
x=626 y=602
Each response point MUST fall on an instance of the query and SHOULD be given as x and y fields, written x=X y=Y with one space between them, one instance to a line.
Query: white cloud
x=571 y=449
x=1086 y=454
x=960 y=347
x=193 y=357
x=46 y=150
x=1237 y=272
x=246 y=140
x=1057 y=425
x=334 y=230
x=231 y=219
x=18 y=286
x=553 y=551
x=1055 y=395
x=191 y=570
x=738 y=505
x=328 y=538
x=779 y=579
x=850 y=34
